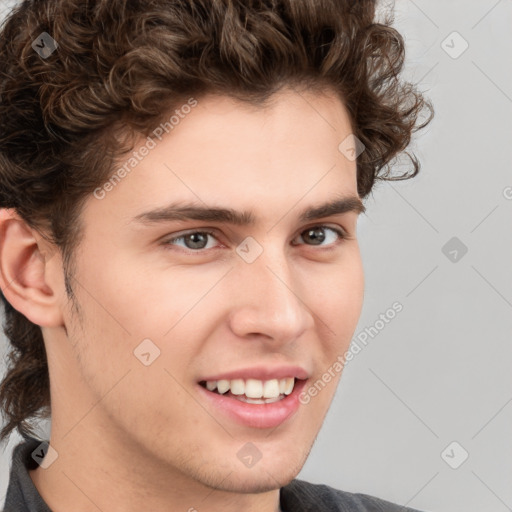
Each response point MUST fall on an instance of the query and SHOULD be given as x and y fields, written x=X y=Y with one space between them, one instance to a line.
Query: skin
x=131 y=437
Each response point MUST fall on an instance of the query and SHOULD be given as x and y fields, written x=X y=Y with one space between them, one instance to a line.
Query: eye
x=197 y=241
x=194 y=240
x=316 y=235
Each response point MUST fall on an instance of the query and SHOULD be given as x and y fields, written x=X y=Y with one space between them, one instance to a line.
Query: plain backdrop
x=423 y=412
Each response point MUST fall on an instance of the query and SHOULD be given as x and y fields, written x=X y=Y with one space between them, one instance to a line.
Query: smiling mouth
x=252 y=391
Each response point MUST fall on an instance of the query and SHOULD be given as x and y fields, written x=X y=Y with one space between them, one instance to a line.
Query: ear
x=25 y=271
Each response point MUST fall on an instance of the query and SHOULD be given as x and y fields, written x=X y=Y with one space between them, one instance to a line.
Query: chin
x=261 y=482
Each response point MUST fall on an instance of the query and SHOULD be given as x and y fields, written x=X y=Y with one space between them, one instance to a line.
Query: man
x=180 y=184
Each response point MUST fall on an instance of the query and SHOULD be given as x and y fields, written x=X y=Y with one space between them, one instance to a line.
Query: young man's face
x=285 y=302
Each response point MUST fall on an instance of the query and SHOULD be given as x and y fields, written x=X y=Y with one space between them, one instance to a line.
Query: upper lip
x=261 y=373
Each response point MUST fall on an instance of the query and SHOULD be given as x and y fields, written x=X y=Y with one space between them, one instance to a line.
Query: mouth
x=252 y=391
x=253 y=403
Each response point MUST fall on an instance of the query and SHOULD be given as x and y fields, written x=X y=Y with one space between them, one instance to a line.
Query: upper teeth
x=253 y=388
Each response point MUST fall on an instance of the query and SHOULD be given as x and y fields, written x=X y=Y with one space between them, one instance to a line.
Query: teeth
x=286 y=386
x=289 y=386
x=253 y=388
x=271 y=388
x=243 y=398
x=237 y=386
x=211 y=385
x=222 y=386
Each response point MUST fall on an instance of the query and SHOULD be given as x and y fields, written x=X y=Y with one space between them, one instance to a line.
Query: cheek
x=133 y=300
x=170 y=307
x=339 y=296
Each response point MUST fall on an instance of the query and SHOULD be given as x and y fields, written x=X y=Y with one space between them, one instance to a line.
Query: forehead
x=318 y=110
x=231 y=153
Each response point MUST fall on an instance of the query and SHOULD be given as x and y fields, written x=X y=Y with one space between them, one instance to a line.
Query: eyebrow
x=190 y=211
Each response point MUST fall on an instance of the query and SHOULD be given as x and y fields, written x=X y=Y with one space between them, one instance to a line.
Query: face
x=170 y=305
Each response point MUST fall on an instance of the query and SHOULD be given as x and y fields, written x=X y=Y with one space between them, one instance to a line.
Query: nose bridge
x=267 y=298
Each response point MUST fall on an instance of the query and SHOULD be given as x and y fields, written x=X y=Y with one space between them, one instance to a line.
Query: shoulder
x=302 y=496
x=22 y=495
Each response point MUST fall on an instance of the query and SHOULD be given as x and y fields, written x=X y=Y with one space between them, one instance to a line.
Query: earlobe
x=24 y=272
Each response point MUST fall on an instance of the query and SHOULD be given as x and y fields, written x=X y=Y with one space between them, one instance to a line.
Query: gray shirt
x=297 y=496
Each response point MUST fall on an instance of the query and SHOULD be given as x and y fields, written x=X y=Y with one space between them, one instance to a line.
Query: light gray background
x=440 y=371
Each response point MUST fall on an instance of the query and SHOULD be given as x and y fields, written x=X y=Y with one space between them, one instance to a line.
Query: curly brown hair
x=121 y=65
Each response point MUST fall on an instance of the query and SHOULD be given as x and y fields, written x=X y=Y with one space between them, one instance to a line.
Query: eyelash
x=168 y=243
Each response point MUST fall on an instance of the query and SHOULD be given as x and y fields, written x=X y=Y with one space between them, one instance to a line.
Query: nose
x=269 y=298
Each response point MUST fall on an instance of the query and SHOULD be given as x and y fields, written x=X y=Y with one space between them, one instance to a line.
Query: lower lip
x=256 y=415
